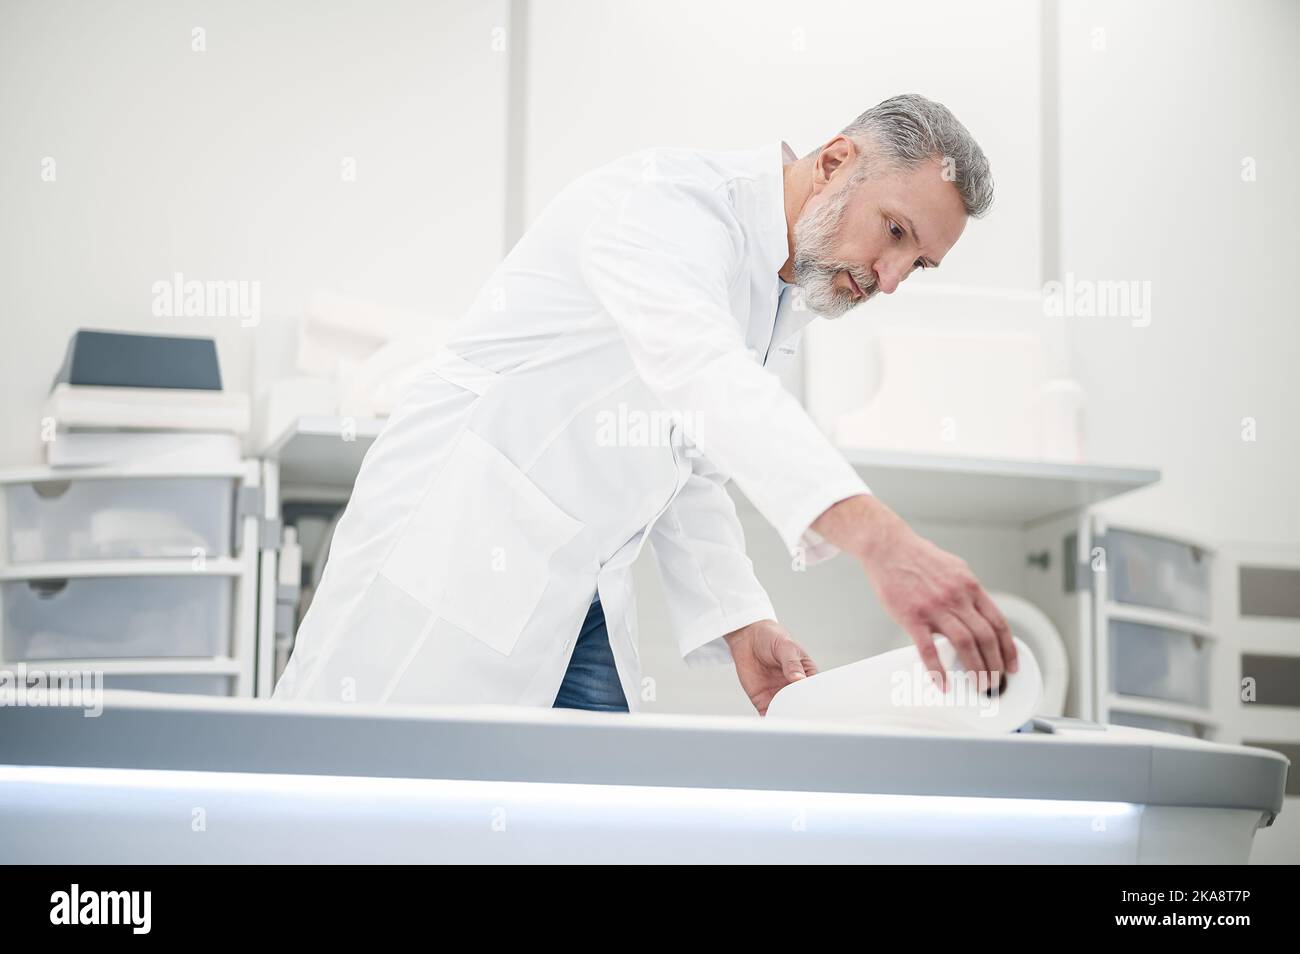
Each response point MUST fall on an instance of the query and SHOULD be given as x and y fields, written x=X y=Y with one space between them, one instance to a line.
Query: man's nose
x=886 y=279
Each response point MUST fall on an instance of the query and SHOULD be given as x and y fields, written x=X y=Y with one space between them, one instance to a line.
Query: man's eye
x=919 y=264
x=894 y=230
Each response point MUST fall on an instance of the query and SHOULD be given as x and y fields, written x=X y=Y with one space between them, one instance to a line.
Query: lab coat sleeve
x=661 y=261
x=708 y=580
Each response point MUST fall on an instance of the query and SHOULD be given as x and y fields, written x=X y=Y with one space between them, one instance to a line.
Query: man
x=612 y=374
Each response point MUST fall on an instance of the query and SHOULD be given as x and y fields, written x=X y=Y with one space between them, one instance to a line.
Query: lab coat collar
x=776 y=247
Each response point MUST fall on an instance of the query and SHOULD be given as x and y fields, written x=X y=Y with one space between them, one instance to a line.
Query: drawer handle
x=47 y=589
x=49 y=489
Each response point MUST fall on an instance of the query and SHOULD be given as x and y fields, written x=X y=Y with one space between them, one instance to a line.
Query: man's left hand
x=767 y=659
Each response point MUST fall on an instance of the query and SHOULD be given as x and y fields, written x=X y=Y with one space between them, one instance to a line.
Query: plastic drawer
x=1158 y=573
x=1159 y=663
x=117 y=617
x=197 y=684
x=1139 y=720
x=119 y=518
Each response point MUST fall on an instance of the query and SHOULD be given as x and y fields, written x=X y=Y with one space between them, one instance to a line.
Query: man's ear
x=836 y=158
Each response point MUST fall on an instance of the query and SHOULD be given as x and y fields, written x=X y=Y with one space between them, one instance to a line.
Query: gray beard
x=815 y=267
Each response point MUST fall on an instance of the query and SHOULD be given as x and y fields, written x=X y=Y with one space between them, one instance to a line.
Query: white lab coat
x=612 y=373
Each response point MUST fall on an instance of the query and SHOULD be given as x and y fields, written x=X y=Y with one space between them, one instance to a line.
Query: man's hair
x=908 y=130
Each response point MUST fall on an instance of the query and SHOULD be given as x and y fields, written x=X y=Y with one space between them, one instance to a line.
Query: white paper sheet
x=892 y=689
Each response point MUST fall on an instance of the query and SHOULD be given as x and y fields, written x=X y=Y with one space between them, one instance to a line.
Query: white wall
x=610 y=78
x=1154 y=132
x=226 y=165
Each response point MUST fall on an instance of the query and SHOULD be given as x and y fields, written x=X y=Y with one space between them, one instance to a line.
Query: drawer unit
x=1159 y=573
x=119 y=518
x=1155 y=662
x=115 y=617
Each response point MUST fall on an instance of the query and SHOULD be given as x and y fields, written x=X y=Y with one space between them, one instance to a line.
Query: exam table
x=159 y=778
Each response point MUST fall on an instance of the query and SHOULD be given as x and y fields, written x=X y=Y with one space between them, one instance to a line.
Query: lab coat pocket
x=477 y=551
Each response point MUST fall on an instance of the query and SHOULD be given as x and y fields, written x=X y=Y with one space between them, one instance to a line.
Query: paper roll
x=893 y=689
x=1030 y=624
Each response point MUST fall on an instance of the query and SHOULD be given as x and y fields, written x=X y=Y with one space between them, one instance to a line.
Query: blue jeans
x=592 y=681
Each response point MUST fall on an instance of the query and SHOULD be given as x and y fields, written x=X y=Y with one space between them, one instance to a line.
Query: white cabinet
x=133 y=576
x=1174 y=633
x=1135 y=607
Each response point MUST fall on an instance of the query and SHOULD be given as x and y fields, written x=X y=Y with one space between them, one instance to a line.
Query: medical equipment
x=475 y=784
x=112 y=359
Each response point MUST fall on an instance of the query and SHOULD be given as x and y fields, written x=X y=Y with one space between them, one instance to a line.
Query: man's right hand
x=925 y=590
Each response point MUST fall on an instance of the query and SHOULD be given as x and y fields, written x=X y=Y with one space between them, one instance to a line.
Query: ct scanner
x=158 y=778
